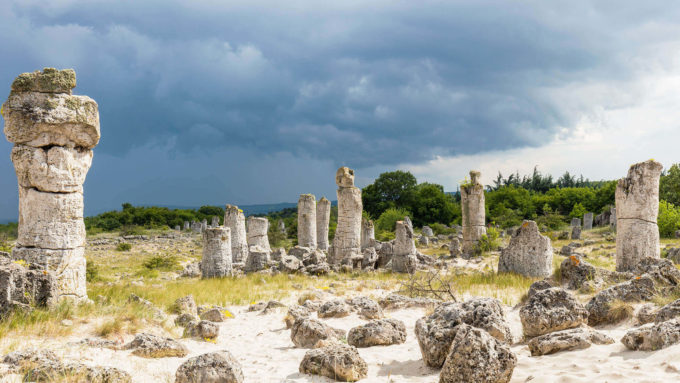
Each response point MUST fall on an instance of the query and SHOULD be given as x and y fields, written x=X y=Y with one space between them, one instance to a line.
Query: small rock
x=201 y=329
x=550 y=310
x=214 y=367
x=306 y=332
x=383 y=332
x=566 y=340
x=152 y=346
x=653 y=337
x=334 y=309
x=336 y=361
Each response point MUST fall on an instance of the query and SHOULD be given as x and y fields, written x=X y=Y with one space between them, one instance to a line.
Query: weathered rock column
x=215 y=221
x=257 y=232
x=186 y=225
x=216 y=260
x=587 y=221
x=474 y=216
x=367 y=234
x=236 y=221
x=575 y=222
x=307 y=221
x=637 y=208
x=323 y=219
x=528 y=253
x=404 y=259
x=347 y=240
x=53 y=133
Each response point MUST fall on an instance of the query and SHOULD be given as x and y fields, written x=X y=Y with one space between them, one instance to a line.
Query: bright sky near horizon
x=247 y=102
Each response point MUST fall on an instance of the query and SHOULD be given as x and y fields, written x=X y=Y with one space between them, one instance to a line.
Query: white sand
x=263 y=347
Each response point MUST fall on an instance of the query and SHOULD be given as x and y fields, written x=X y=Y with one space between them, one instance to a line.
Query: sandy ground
x=263 y=347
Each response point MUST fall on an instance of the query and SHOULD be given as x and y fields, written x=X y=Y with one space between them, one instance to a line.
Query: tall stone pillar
x=347 y=240
x=474 y=216
x=214 y=222
x=323 y=219
x=53 y=133
x=236 y=221
x=217 y=257
x=307 y=221
x=367 y=234
x=257 y=232
x=404 y=259
x=637 y=208
x=587 y=221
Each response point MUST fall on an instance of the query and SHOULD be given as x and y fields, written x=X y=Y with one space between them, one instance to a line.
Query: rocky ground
x=136 y=292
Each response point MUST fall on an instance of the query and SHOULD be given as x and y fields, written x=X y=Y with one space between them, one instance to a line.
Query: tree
x=669 y=185
x=390 y=190
x=433 y=205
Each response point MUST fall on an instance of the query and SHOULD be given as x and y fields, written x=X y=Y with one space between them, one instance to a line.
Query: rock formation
x=53 y=133
x=587 y=221
x=529 y=253
x=323 y=219
x=474 y=216
x=307 y=221
x=215 y=222
x=257 y=232
x=217 y=259
x=637 y=207
x=347 y=241
x=236 y=221
x=367 y=234
x=404 y=257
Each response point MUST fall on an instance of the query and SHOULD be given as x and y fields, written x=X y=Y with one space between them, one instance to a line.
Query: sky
x=249 y=102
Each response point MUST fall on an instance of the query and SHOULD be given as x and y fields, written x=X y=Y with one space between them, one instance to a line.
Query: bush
x=92 y=272
x=439 y=228
x=388 y=220
x=162 y=262
x=489 y=241
x=669 y=219
x=124 y=247
x=578 y=211
x=132 y=230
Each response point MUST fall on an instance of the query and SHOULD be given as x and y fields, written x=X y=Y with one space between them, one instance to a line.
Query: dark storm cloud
x=356 y=83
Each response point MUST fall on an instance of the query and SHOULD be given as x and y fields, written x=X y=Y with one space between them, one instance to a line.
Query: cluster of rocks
x=53 y=133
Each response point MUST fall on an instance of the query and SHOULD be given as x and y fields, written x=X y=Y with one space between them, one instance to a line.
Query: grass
x=619 y=311
x=506 y=287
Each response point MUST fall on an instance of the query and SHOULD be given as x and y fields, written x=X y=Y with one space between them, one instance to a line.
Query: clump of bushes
x=162 y=262
x=489 y=241
x=92 y=272
x=124 y=246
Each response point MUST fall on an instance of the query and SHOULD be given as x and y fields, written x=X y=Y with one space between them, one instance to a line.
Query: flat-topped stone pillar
x=235 y=220
x=323 y=219
x=637 y=209
x=257 y=232
x=367 y=233
x=53 y=133
x=216 y=261
x=404 y=259
x=587 y=221
x=307 y=221
x=474 y=215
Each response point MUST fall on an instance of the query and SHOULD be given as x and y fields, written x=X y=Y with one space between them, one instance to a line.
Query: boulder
x=567 y=340
x=366 y=307
x=186 y=305
x=436 y=332
x=646 y=313
x=668 y=312
x=257 y=259
x=153 y=346
x=201 y=329
x=214 y=367
x=662 y=270
x=290 y=264
x=336 y=361
x=653 y=337
x=576 y=271
x=334 y=309
x=529 y=253
x=370 y=258
x=550 y=310
x=21 y=287
x=383 y=332
x=213 y=315
x=296 y=313
x=475 y=356
x=635 y=290
x=306 y=332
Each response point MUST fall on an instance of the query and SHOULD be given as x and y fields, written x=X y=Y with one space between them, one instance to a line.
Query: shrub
x=577 y=211
x=438 y=228
x=489 y=241
x=92 y=272
x=162 y=262
x=132 y=230
x=388 y=220
x=124 y=247
x=669 y=219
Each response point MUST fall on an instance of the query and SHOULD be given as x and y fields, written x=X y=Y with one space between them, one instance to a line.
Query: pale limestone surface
x=323 y=218
x=307 y=221
x=529 y=253
x=257 y=232
x=217 y=260
x=347 y=240
x=637 y=207
x=588 y=221
x=53 y=132
x=236 y=221
x=367 y=234
x=474 y=215
x=404 y=258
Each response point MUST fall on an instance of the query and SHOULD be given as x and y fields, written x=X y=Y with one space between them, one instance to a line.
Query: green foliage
x=124 y=247
x=669 y=185
x=132 y=230
x=150 y=217
x=388 y=220
x=578 y=211
x=162 y=262
x=433 y=205
x=489 y=241
x=395 y=189
x=669 y=219
x=92 y=272
x=438 y=228
x=276 y=237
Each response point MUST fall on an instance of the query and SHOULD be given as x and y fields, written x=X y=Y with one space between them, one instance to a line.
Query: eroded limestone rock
x=337 y=361
x=367 y=234
x=474 y=215
x=551 y=310
x=257 y=232
x=383 y=332
x=567 y=340
x=217 y=259
x=323 y=218
x=529 y=253
x=404 y=249
x=653 y=337
x=236 y=221
x=347 y=241
x=307 y=221
x=213 y=367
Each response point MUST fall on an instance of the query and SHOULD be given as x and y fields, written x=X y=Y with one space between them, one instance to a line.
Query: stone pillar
x=528 y=253
x=216 y=260
x=612 y=217
x=637 y=207
x=236 y=221
x=367 y=234
x=53 y=133
x=587 y=221
x=307 y=221
x=282 y=227
x=347 y=240
x=215 y=221
x=575 y=222
x=404 y=259
x=474 y=216
x=323 y=219
x=257 y=232
x=204 y=224
x=186 y=225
